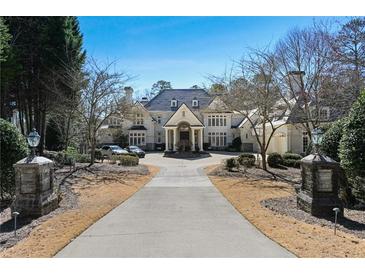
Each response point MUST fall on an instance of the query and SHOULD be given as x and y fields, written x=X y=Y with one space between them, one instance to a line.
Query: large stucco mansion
x=179 y=118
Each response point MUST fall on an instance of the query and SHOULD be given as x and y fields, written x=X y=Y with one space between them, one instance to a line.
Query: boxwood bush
x=13 y=148
x=352 y=148
x=247 y=159
x=127 y=160
x=291 y=159
x=231 y=163
x=274 y=159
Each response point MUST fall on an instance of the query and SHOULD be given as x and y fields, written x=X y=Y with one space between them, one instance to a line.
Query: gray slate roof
x=162 y=101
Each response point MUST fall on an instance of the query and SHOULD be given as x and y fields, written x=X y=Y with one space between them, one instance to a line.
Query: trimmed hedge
x=291 y=163
x=127 y=160
x=291 y=159
x=247 y=159
x=274 y=159
x=291 y=156
x=13 y=148
x=231 y=163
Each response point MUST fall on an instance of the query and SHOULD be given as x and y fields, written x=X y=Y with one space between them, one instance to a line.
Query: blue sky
x=182 y=50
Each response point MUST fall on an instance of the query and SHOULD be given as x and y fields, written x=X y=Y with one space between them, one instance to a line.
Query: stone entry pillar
x=318 y=194
x=35 y=192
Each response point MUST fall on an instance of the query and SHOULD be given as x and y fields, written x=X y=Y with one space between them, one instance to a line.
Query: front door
x=184 y=135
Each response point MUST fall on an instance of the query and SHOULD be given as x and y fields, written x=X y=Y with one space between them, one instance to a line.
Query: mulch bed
x=289 y=175
x=353 y=221
x=69 y=199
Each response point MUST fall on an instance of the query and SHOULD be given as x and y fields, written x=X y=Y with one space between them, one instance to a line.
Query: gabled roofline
x=245 y=119
x=178 y=110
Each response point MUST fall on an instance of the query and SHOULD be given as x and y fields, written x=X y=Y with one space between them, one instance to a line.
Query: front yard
x=264 y=202
x=86 y=197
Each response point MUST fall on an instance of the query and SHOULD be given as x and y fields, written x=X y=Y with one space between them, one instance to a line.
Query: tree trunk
x=263 y=146
x=92 y=149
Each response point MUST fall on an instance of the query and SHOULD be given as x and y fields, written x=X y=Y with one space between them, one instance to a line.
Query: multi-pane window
x=323 y=114
x=113 y=121
x=217 y=139
x=138 y=119
x=305 y=141
x=137 y=139
x=217 y=120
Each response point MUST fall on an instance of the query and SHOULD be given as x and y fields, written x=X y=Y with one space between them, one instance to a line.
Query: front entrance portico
x=184 y=131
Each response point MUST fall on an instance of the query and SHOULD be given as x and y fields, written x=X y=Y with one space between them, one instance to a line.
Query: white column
x=201 y=139
x=166 y=139
x=174 y=145
x=193 y=139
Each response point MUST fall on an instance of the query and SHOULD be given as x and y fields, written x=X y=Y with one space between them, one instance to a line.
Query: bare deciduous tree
x=253 y=92
x=102 y=96
x=303 y=73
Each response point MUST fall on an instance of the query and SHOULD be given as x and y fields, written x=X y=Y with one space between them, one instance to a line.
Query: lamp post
x=317 y=135
x=33 y=141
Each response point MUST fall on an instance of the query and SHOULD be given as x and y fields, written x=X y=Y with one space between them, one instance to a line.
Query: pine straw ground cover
x=302 y=239
x=97 y=194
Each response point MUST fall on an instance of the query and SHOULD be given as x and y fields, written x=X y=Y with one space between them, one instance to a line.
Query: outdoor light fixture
x=317 y=134
x=336 y=210
x=33 y=140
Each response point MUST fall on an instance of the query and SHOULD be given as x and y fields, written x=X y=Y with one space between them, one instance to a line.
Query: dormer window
x=195 y=102
x=173 y=103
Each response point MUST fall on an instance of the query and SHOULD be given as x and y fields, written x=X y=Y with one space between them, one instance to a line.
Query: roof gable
x=217 y=105
x=183 y=114
x=162 y=101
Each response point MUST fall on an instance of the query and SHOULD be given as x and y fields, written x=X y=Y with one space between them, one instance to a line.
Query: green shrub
x=237 y=143
x=352 y=148
x=231 y=163
x=291 y=159
x=247 y=159
x=83 y=158
x=291 y=156
x=291 y=163
x=331 y=140
x=274 y=159
x=127 y=160
x=133 y=154
x=13 y=148
x=68 y=156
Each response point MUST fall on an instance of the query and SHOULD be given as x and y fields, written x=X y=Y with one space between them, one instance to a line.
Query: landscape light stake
x=336 y=210
x=15 y=214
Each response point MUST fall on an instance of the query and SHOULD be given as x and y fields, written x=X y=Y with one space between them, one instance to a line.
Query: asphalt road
x=179 y=213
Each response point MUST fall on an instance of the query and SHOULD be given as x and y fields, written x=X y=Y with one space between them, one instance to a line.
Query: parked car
x=109 y=150
x=136 y=150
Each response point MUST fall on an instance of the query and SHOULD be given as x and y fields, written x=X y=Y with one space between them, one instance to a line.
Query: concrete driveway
x=179 y=213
